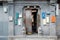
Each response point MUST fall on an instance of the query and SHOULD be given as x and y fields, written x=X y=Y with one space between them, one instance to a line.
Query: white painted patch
x=10 y=18
x=57 y=9
x=44 y=21
x=19 y=21
x=20 y=15
x=47 y=19
x=5 y=9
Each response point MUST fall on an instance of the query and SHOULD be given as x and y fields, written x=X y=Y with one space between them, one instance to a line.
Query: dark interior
x=58 y=1
x=34 y=24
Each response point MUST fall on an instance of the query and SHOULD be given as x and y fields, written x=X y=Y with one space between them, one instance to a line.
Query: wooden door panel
x=28 y=21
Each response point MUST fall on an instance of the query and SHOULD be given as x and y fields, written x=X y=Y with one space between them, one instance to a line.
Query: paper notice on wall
x=44 y=21
x=47 y=19
x=53 y=19
x=20 y=15
x=39 y=30
x=19 y=21
x=10 y=18
x=5 y=9
x=57 y=9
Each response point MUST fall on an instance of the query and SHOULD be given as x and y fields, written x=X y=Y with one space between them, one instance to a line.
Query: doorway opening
x=34 y=20
x=31 y=19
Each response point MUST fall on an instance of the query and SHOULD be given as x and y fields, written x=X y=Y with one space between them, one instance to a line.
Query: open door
x=31 y=20
x=34 y=20
x=28 y=21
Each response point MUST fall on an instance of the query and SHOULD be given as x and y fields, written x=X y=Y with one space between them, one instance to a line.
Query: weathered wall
x=58 y=24
x=44 y=7
x=3 y=24
x=8 y=28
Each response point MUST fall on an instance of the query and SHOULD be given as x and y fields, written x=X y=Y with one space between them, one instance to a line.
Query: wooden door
x=28 y=21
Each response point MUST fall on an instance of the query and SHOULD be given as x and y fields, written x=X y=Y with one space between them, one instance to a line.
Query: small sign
x=47 y=19
x=17 y=15
x=19 y=21
x=10 y=18
x=53 y=19
x=44 y=21
x=43 y=15
x=5 y=9
x=20 y=15
x=57 y=9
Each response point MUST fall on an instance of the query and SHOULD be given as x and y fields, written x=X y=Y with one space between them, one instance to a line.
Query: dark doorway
x=34 y=22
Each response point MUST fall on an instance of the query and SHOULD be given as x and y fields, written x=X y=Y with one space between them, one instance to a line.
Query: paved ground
x=34 y=38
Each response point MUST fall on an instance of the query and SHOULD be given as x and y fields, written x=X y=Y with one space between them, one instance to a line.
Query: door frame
x=38 y=16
